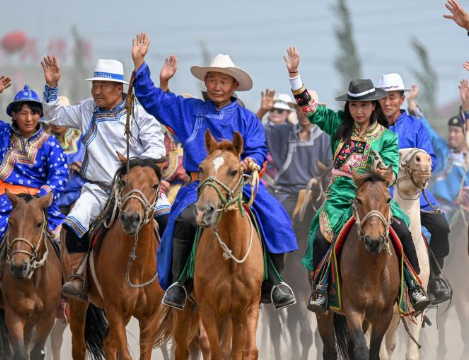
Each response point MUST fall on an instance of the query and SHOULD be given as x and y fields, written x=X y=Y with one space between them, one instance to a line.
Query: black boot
x=176 y=295
x=418 y=296
x=438 y=288
x=274 y=289
x=318 y=301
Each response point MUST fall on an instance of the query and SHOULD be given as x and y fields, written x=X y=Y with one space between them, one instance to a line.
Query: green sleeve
x=390 y=151
x=328 y=120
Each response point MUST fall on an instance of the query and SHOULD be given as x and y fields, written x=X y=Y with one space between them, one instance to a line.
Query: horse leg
x=306 y=333
x=43 y=329
x=77 y=327
x=251 y=352
x=461 y=304
x=378 y=331
x=326 y=330
x=239 y=337
x=115 y=344
x=15 y=326
x=389 y=345
x=412 y=348
x=57 y=337
x=211 y=325
x=355 y=326
x=181 y=332
x=148 y=327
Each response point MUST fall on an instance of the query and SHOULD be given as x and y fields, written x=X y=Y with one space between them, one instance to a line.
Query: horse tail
x=165 y=328
x=96 y=329
x=343 y=339
x=6 y=351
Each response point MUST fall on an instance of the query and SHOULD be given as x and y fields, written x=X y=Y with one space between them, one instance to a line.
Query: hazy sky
x=256 y=34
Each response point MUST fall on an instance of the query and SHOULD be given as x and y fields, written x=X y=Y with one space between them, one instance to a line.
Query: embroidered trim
x=325 y=225
x=50 y=93
x=70 y=142
x=55 y=233
x=299 y=91
x=46 y=188
x=310 y=109
x=75 y=225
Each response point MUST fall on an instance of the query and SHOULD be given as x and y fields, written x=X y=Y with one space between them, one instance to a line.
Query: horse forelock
x=372 y=177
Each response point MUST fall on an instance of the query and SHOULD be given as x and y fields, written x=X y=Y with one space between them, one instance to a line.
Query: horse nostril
x=136 y=218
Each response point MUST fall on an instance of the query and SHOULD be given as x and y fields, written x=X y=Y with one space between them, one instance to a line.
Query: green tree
x=427 y=78
x=348 y=62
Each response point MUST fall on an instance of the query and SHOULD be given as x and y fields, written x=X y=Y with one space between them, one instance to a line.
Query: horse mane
x=27 y=197
x=98 y=228
x=370 y=176
x=225 y=145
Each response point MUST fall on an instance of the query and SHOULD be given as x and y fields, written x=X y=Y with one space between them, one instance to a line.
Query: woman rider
x=356 y=131
x=32 y=162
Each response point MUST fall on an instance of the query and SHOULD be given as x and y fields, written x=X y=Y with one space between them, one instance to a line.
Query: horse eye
x=201 y=170
x=156 y=187
x=233 y=173
x=358 y=201
x=38 y=225
x=389 y=200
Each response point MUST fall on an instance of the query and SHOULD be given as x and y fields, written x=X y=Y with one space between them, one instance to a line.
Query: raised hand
x=292 y=60
x=168 y=70
x=464 y=94
x=5 y=83
x=51 y=70
x=267 y=99
x=458 y=14
x=466 y=65
x=141 y=43
x=412 y=97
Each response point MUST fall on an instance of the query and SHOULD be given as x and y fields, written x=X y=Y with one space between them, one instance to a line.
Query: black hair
x=344 y=132
x=34 y=106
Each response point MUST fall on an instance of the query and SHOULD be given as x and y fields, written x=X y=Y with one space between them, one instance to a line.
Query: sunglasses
x=280 y=111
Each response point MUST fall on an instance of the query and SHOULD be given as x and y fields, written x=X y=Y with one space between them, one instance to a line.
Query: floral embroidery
x=325 y=226
x=349 y=150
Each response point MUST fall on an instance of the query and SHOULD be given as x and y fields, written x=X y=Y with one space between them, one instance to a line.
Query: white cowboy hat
x=108 y=70
x=223 y=64
x=284 y=102
x=392 y=82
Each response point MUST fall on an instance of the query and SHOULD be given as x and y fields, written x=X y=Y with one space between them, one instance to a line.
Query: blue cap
x=25 y=95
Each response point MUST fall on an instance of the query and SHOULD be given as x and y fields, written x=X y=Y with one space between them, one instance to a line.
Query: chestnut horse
x=369 y=272
x=122 y=268
x=31 y=280
x=229 y=265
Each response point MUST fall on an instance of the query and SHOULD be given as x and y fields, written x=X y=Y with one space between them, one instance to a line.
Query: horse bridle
x=409 y=173
x=373 y=213
x=33 y=262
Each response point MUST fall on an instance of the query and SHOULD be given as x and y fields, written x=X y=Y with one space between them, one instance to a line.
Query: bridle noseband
x=33 y=262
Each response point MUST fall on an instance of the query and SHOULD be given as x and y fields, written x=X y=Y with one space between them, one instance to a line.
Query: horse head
x=136 y=192
x=415 y=170
x=372 y=208
x=221 y=179
x=27 y=232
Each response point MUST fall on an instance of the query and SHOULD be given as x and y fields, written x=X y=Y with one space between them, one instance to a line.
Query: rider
x=355 y=132
x=102 y=120
x=32 y=161
x=412 y=134
x=189 y=118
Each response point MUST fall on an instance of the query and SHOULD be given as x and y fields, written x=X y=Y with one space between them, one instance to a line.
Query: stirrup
x=164 y=301
x=81 y=296
x=282 y=306
x=318 y=309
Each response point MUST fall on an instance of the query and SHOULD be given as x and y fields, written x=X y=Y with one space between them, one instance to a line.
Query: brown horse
x=370 y=276
x=122 y=267
x=228 y=264
x=30 y=279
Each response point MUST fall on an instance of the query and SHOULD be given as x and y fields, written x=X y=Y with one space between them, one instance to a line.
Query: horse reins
x=232 y=202
x=33 y=262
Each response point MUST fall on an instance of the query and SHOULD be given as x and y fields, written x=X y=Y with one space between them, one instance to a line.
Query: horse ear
x=210 y=142
x=121 y=157
x=389 y=176
x=46 y=200
x=356 y=176
x=238 y=143
x=12 y=197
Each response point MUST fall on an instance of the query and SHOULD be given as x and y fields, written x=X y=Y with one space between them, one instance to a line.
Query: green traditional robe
x=355 y=154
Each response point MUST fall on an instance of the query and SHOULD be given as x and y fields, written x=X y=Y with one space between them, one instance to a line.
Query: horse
x=369 y=271
x=31 y=280
x=229 y=265
x=414 y=174
x=123 y=267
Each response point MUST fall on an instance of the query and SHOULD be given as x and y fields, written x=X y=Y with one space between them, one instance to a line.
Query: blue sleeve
x=57 y=169
x=440 y=148
x=254 y=141
x=423 y=142
x=168 y=108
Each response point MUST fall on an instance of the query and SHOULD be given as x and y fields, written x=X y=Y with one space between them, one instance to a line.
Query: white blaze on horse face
x=219 y=161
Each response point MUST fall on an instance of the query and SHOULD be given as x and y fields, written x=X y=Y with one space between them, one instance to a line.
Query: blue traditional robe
x=412 y=133
x=38 y=162
x=75 y=151
x=189 y=118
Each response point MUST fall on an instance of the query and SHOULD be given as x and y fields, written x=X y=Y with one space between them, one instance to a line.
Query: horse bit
x=119 y=203
x=33 y=262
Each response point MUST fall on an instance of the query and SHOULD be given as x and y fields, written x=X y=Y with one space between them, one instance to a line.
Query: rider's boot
x=176 y=295
x=274 y=289
x=438 y=288
x=418 y=296
x=319 y=300
x=76 y=286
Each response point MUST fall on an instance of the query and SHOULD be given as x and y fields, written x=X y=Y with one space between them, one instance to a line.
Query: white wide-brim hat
x=392 y=82
x=283 y=101
x=223 y=64
x=108 y=70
